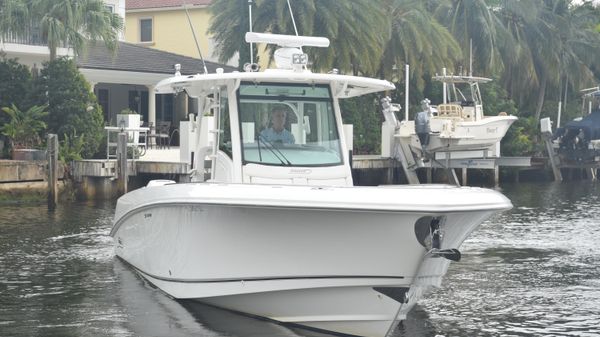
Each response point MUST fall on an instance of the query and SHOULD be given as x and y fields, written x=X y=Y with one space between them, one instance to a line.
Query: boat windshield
x=288 y=125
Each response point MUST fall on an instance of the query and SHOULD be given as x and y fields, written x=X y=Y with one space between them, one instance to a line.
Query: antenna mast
x=195 y=39
x=250 y=24
x=292 y=15
x=470 y=57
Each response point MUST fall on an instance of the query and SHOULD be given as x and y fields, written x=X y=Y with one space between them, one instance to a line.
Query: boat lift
x=489 y=159
x=397 y=147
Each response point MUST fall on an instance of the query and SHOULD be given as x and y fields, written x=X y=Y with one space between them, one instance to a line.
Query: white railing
x=138 y=148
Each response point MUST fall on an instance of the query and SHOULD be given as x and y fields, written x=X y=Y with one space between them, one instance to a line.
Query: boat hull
x=343 y=269
x=451 y=135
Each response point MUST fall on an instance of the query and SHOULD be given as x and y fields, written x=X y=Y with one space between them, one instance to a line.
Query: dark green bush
x=15 y=84
x=364 y=113
x=72 y=106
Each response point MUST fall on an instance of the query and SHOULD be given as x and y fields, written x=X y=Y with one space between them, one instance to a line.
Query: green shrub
x=72 y=106
x=364 y=114
x=522 y=138
x=71 y=148
x=24 y=126
x=15 y=85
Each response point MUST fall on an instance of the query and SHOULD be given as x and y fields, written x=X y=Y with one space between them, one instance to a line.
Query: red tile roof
x=144 y=4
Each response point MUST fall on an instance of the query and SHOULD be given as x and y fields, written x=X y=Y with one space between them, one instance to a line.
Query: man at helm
x=277 y=133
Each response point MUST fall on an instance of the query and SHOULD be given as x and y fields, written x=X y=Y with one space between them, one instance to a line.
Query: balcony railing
x=30 y=35
x=32 y=40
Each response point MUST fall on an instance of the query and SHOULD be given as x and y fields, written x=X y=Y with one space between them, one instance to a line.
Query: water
x=532 y=271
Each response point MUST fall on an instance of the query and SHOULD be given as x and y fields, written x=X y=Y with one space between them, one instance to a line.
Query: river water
x=531 y=271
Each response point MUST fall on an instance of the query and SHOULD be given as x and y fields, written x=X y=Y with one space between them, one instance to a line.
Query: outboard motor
x=422 y=127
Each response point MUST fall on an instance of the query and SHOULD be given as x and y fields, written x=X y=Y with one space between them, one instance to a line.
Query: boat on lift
x=578 y=142
x=276 y=229
x=459 y=122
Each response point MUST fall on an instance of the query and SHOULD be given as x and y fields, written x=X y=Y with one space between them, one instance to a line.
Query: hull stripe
x=250 y=279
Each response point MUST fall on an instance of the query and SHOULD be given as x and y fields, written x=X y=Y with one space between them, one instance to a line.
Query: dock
x=584 y=168
x=393 y=172
x=97 y=178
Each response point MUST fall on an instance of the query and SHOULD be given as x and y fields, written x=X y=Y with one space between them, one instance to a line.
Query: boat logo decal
x=300 y=171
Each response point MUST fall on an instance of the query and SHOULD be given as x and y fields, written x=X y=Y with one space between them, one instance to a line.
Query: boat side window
x=224 y=124
x=288 y=124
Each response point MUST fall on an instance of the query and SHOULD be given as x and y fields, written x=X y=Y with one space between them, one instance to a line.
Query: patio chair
x=152 y=137
x=143 y=136
x=163 y=134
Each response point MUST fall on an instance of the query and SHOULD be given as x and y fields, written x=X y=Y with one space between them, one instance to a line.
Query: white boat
x=459 y=123
x=279 y=230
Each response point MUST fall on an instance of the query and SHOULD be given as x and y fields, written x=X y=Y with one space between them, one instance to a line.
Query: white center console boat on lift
x=278 y=230
x=459 y=122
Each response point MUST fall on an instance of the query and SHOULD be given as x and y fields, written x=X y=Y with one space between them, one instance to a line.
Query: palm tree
x=357 y=29
x=228 y=26
x=418 y=39
x=74 y=23
x=550 y=39
x=473 y=21
x=579 y=45
x=524 y=39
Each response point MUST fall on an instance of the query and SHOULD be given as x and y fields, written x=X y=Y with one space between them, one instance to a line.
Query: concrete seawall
x=26 y=180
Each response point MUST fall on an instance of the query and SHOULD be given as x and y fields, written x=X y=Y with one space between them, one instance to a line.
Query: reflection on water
x=532 y=271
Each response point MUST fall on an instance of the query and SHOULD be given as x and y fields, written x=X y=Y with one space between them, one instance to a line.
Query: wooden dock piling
x=52 y=157
x=122 y=171
x=551 y=155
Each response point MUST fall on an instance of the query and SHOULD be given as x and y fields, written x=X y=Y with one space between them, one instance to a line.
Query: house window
x=110 y=8
x=146 y=30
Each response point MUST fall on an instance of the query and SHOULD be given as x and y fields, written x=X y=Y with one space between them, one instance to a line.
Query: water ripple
x=530 y=271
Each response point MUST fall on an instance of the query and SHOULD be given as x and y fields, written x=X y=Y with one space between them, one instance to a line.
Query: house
x=164 y=25
x=33 y=51
x=124 y=79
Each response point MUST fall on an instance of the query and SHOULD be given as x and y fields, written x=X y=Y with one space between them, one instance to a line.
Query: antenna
x=406 y=86
x=470 y=57
x=292 y=15
x=195 y=39
x=250 y=24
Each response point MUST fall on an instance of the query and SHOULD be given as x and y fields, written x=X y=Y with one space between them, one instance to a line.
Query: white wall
x=119 y=8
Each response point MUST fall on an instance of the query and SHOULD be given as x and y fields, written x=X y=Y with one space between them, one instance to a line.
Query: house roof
x=146 y=4
x=135 y=58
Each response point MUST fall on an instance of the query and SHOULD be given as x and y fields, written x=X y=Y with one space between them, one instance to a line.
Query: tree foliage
x=535 y=49
x=71 y=148
x=15 y=81
x=419 y=40
x=228 y=27
x=72 y=106
x=473 y=24
x=24 y=126
x=72 y=23
x=364 y=114
x=362 y=21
